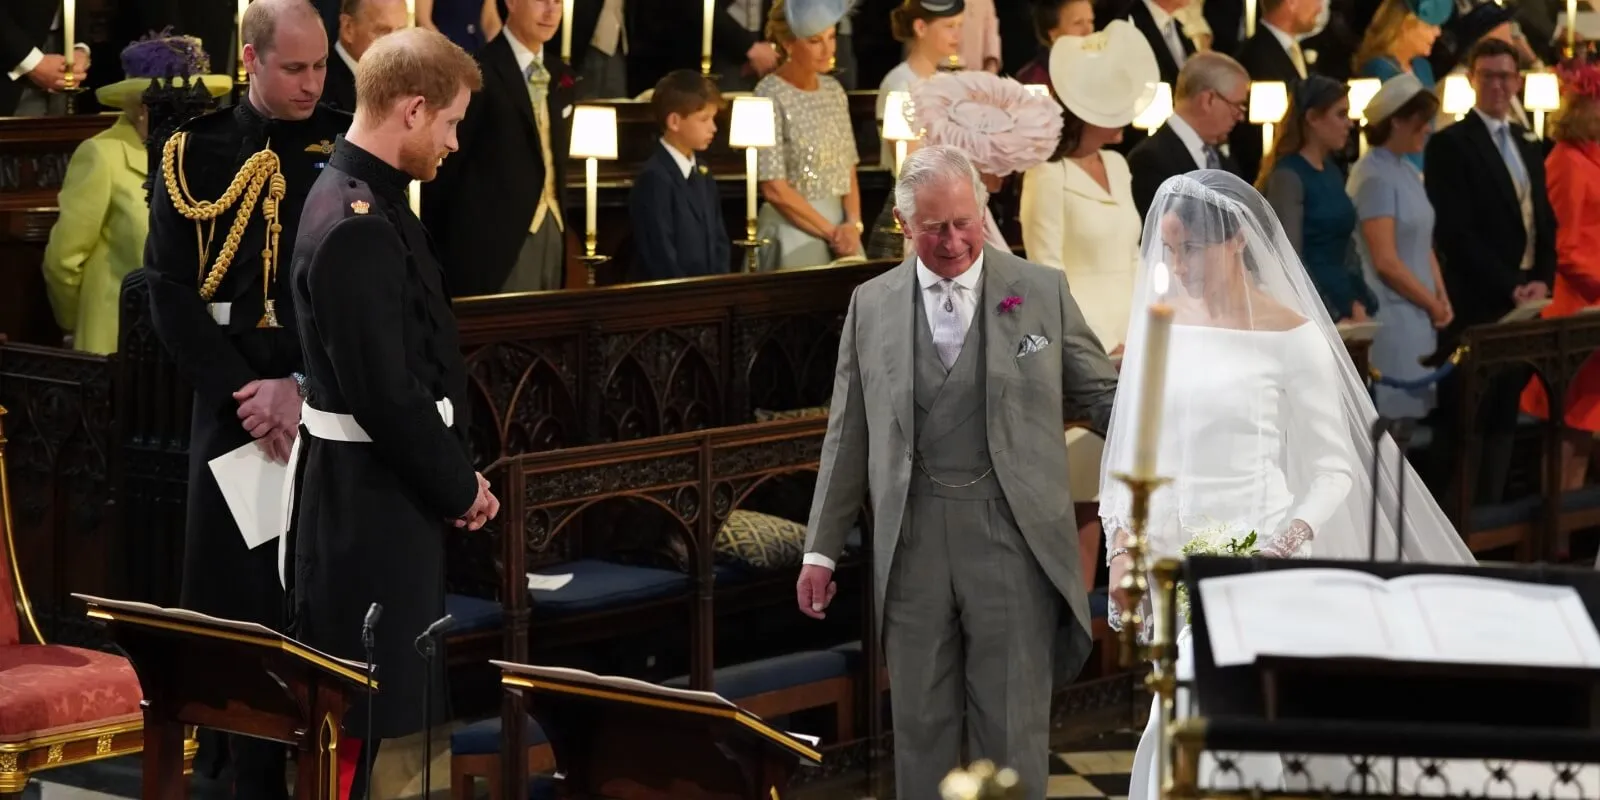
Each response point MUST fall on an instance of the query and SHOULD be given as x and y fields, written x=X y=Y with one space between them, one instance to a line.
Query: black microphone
x=425 y=646
x=369 y=641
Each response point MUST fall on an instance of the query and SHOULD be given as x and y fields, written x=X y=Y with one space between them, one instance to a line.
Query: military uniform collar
x=364 y=166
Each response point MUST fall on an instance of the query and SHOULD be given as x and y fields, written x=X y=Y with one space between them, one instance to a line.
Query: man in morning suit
x=674 y=205
x=947 y=401
x=382 y=471
x=496 y=210
x=1273 y=54
x=1496 y=239
x=28 y=28
x=361 y=22
x=225 y=313
x=1208 y=100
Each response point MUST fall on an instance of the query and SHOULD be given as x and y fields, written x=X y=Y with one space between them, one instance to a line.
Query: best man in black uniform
x=383 y=469
x=221 y=305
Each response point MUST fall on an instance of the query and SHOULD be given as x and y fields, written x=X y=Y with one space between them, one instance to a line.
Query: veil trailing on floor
x=1265 y=424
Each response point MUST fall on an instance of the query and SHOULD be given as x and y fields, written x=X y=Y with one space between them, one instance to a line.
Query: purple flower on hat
x=1009 y=304
x=164 y=55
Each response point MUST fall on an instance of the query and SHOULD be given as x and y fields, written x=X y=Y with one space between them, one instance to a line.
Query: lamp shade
x=896 y=126
x=594 y=132
x=754 y=123
x=1361 y=92
x=1542 y=92
x=1269 y=101
x=1459 y=96
x=1155 y=115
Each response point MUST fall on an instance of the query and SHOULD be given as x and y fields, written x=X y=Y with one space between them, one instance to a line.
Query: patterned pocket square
x=1032 y=343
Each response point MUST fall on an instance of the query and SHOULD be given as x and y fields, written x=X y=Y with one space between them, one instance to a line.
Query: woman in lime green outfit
x=99 y=237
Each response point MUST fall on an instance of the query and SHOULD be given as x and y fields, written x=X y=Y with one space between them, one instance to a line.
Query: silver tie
x=947 y=328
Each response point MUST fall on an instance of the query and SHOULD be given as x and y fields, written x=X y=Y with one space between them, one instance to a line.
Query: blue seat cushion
x=473 y=614
x=482 y=738
x=1500 y=515
x=542 y=787
x=1580 y=499
x=598 y=585
x=773 y=674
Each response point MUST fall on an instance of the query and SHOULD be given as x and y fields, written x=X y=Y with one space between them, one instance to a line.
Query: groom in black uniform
x=383 y=469
x=220 y=303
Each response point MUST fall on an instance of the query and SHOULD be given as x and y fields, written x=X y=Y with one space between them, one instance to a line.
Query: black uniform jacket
x=220 y=576
x=381 y=345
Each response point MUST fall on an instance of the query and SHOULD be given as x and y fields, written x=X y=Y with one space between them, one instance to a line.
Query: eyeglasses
x=1238 y=108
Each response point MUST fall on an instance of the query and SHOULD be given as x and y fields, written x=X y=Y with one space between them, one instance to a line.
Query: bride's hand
x=1286 y=544
x=1119 y=568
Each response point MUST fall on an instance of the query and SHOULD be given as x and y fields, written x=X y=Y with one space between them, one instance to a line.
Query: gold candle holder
x=590 y=259
x=981 y=781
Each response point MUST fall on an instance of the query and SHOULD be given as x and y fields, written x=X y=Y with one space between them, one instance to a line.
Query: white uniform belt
x=330 y=427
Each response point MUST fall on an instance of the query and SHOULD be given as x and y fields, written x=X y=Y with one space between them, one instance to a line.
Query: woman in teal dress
x=1306 y=190
x=1399 y=40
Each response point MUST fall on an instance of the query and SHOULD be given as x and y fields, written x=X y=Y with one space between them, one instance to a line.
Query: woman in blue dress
x=1398 y=42
x=1306 y=189
x=1396 y=243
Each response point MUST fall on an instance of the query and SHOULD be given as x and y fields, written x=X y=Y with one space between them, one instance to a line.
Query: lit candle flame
x=1160 y=279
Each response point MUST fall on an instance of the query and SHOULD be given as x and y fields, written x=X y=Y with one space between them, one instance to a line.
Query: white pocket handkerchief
x=1032 y=343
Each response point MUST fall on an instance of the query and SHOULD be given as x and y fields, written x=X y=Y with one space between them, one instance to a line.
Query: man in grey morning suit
x=948 y=402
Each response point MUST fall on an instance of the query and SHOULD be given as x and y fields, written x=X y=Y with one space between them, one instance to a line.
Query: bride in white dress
x=1266 y=427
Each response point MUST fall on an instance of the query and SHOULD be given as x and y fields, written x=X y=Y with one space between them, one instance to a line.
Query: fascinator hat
x=808 y=18
x=1579 y=78
x=1433 y=12
x=161 y=56
x=1394 y=93
x=997 y=122
x=1107 y=78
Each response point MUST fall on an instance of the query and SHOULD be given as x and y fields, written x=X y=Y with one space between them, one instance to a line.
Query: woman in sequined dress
x=812 y=214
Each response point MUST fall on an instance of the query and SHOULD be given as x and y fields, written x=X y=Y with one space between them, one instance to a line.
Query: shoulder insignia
x=324 y=147
x=360 y=206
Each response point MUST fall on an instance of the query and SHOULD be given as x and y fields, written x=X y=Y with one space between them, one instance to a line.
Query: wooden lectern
x=237 y=677
x=622 y=739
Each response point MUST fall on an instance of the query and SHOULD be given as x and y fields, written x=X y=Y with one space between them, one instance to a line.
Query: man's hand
x=51 y=72
x=763 y=58
x=1358 y=312
x=1530 y=292
x=484 y=508
x=815 y=590
x=278 y=445
x=269 y=405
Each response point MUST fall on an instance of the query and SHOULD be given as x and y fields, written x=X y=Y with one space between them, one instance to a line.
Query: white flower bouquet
x=1217 y=540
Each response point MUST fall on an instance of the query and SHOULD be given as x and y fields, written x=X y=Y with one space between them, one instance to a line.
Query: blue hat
x=808 y=18
x=1433 y=12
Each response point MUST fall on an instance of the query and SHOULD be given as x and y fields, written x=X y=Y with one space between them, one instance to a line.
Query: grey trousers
x=542 y=263
x=969 y=618
x=604 y=77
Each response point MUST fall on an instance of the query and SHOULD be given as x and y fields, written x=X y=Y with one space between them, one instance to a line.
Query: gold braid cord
x=262 y=170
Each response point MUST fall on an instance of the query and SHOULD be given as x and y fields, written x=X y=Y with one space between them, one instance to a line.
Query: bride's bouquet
x=1217 y=540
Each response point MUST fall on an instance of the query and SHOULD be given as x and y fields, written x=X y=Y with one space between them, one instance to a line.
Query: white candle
x=1153 y=384
x=749 y=183
x=705 y=31
x=1249 y=18
x=1572 y=28
x=244 y=5
x=411 y=13
x=591 y=169
x=69 y=21
x=1266 y=137
x=414 y=195
x=899 y=155
x=566 y=31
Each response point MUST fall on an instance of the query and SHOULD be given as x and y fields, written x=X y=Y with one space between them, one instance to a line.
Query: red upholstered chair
x=58 y=705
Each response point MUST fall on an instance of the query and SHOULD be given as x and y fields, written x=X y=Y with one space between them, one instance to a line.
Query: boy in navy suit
x=676 y=211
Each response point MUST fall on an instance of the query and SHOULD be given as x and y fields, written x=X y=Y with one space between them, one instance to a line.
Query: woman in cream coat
x=99 y=237
x=1078 y=214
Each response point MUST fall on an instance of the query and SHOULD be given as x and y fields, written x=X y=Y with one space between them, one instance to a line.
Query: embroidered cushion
x=50 y=689
x=760 y=541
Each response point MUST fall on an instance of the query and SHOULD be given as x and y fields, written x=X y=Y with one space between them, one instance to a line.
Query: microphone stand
x=426 y=645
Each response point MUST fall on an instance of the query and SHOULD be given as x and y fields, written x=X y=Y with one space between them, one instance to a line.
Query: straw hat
x=1107 y=78
x=161 y=56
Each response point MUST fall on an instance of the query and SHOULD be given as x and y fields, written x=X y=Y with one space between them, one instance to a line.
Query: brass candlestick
x=981 y=781
x=1161 y=650
x=589 y=258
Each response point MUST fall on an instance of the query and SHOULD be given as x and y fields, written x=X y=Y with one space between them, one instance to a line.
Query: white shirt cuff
x=819 y=560
x=29 y=61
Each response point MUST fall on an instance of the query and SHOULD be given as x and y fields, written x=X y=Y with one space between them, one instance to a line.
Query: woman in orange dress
x=1572 y=173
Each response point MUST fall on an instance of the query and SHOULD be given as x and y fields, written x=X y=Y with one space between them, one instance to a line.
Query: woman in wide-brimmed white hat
x=99 y=237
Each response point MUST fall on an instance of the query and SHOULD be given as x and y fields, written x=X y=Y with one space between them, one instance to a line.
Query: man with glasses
x=1495 y=237
x=1209 y=99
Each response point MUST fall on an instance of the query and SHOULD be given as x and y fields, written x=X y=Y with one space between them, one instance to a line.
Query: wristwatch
x=299 y=383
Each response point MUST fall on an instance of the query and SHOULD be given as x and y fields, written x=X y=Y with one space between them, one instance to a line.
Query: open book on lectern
x=1439 y=618
x=156 y=616
x=577 y=681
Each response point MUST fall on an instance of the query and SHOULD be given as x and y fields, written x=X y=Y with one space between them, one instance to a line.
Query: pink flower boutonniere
x=1010 y=304
x=566 y=82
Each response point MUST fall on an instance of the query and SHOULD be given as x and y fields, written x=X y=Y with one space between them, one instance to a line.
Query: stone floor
x=1094 y=769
